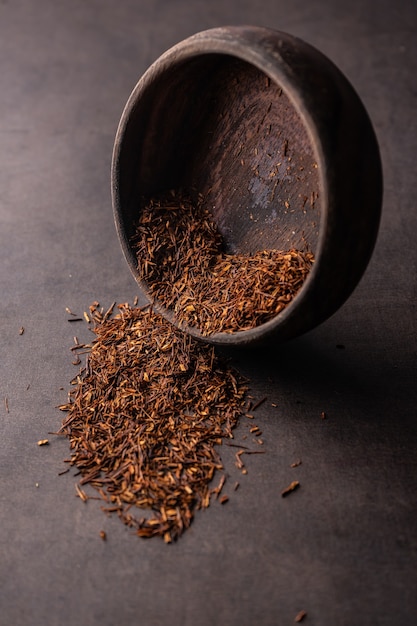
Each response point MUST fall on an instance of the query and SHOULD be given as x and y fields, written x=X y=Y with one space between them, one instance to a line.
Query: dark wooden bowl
x=279 y=144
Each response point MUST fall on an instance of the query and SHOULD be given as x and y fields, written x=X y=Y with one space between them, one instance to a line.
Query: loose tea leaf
x=181 y=258
x=300 y=616
x=144 y=418
x=291 y=487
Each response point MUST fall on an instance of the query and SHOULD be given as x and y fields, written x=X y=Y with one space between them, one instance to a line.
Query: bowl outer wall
x=347 y=154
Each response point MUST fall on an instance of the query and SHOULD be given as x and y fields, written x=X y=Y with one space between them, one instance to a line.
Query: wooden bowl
x=279 y=144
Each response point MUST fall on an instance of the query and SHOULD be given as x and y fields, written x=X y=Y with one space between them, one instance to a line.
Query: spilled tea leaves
x=144 y=417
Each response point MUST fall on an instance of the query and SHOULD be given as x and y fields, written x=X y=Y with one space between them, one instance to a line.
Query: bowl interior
x=218 y=125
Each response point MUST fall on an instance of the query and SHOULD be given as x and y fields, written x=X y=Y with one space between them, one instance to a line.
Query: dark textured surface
x=344 y=546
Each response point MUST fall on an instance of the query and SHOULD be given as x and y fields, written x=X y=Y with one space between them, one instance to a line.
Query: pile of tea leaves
x=144 y=417
x=181 y=258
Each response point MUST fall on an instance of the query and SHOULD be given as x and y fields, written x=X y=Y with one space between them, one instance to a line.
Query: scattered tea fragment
x=43 y=442
x=81 y=493
x=21 y=330
x=103 y=535
x=144 y=417
x=239 y=463
x=217 y=490
x=181 y=258
x=291 y=487
x=259 y=403
x=300 y=616
x=296 y=463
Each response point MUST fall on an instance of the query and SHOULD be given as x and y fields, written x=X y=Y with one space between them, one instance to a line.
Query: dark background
x=344 y=546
